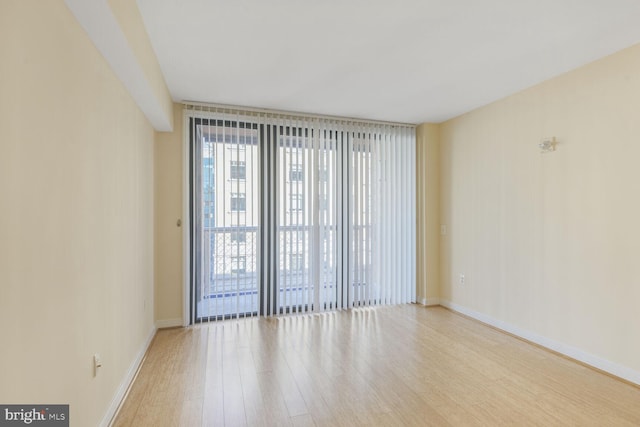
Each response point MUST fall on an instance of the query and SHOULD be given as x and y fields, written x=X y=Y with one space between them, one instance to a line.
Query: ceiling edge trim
x=100 y=24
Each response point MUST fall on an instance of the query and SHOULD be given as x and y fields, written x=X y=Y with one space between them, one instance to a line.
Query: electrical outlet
x=443 y=230
x=462 y=279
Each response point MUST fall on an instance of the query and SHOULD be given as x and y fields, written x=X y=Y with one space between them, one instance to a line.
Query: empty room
x=289 y=213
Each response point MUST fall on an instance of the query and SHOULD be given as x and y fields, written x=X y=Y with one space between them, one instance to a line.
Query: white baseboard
x=430 y=301
x=168 y=323
x=612 y=368
x=126 y=381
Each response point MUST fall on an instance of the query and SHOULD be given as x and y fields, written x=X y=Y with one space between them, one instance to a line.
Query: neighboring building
x=230 y=207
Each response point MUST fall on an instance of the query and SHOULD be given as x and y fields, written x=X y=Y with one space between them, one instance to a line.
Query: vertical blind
x=297 y=213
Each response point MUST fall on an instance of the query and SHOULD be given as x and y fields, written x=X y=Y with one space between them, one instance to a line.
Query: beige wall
x=168 y=209
x=549 y=243
x=76 y=215
x=428 y=213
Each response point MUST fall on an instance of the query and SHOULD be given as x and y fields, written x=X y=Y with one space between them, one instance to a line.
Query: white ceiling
x=409 y=61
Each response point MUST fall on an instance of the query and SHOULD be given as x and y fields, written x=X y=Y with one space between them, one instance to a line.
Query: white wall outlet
x=462 y=279
x=443 y=230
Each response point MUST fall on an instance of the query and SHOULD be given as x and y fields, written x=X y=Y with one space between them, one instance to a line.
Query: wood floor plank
x=275 y=407
x=404 y=365
x=213 y=396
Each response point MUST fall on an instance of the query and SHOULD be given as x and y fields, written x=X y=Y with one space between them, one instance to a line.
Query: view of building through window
x=229 y=161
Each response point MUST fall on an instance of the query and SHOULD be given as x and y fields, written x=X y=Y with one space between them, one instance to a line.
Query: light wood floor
x=390 y=366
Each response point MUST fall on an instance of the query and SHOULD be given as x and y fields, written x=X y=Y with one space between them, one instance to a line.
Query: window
x=238 y=202
x=323 y=202
x=238 y=169
x=296 y=262
x=282 y=243
x=208 y=212
x=296 y=202
x=238 y=236
x=237 y=148
x=295 y=172
x=238 y=264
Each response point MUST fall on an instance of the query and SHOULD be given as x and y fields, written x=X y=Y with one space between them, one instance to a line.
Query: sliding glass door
x=224 y=218
x=291 y=214
x=306 y=220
